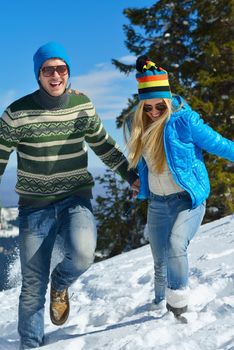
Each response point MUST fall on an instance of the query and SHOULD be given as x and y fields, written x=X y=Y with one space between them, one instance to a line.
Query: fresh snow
x=111 y=304
x=6 y=229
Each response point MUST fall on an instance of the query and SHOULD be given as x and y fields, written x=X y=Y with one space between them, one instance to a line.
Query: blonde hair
x=148 y=136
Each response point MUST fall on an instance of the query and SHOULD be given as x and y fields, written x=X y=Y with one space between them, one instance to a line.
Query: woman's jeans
x=70 y=218
x=171 y=226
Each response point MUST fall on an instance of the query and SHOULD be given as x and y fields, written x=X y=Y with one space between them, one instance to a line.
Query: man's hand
x=135 y=187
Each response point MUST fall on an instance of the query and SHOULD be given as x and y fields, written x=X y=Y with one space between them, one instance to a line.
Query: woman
x=169 y=136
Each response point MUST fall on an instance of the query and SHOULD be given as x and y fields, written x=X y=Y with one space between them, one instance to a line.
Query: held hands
x=135 y=187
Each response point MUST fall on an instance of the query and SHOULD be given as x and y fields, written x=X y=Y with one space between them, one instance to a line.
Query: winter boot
x=177 y=311
x=177 y=301
x=59 y=306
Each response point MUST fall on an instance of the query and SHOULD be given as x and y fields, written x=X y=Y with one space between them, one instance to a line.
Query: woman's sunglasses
x=161 y=107
x=48 y=71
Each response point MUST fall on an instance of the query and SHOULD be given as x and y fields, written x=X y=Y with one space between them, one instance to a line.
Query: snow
x=111 y=304
x=9 y=213
x=9 y=232
x=6 y=229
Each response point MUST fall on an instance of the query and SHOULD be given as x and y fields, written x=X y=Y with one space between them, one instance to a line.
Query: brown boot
x=59 y=306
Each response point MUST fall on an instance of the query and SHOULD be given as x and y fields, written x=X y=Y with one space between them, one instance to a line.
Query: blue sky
x=92 y=33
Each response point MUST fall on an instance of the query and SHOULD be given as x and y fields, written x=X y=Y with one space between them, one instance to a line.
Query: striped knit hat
x=152 y=81
x=48 y=51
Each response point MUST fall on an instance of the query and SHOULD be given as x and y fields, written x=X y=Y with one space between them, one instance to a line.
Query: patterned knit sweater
x=51 y=147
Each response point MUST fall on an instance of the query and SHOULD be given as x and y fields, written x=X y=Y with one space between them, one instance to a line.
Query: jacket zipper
x=173 y=171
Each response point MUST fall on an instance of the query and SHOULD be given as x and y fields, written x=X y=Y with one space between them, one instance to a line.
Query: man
x=48 y=129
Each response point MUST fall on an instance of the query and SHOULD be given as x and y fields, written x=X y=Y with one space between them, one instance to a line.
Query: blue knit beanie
x=48 y=51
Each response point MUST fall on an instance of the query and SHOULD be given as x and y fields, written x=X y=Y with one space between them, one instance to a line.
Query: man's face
x=55 y=84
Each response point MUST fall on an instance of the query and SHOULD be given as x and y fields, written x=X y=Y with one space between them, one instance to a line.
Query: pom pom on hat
x=48 y=51
x=152 y=80
x=142 y=62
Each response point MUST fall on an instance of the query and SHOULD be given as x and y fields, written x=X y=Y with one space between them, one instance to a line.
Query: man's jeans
x=70 y=218
x=171 y=226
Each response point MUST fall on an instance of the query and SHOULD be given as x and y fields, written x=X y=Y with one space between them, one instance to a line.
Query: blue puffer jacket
x=185 y=135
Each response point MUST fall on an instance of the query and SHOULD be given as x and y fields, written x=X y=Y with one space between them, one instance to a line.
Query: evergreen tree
x=120 y=218
x=213 y=92
x=193 y=41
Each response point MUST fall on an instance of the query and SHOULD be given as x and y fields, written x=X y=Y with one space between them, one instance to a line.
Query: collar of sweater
x=47 y=101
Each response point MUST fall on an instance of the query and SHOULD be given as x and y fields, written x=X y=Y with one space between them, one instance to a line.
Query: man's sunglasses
x=48 y=71
x=161 y=107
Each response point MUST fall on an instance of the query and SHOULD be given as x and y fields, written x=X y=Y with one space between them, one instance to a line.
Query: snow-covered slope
x=111 y=303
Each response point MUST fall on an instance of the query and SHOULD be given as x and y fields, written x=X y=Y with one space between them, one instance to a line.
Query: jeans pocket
x=80 y=204
x=183 y=201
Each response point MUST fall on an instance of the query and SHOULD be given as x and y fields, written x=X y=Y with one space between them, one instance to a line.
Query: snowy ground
x=111 y=303
x=8 y=215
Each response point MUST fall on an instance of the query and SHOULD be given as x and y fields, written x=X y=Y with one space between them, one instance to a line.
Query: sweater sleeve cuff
x=131 y=177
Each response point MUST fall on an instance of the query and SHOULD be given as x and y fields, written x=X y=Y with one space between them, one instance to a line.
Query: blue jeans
x=73 y=220
x=171 y=226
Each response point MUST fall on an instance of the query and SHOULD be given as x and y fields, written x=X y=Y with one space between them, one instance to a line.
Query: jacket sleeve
x=210 y=140
x=108 y=150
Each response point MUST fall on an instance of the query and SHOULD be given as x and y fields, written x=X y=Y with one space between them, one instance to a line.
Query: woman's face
x=154 y=108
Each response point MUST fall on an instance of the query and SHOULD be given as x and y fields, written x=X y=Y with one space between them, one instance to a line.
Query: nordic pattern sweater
x=51 y=147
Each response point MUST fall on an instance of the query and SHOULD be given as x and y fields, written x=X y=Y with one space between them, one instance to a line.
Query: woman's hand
x=135 y=187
